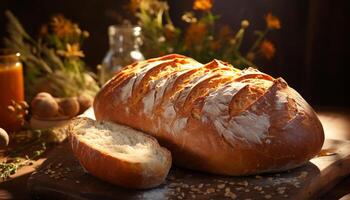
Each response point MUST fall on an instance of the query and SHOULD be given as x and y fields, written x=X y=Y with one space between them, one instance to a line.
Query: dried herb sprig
x=12 y=164
x=33 y=141
x=7 y=169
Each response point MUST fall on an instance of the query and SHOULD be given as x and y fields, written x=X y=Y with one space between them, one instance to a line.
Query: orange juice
x=11 y=88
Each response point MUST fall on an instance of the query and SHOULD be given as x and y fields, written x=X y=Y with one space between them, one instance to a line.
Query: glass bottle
x=11 y=88
x=124 y=43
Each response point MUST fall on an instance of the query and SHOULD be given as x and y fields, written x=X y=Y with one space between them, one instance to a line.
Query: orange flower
x=195 y=34
x=62 y=27
x=203 y=5
x=267 y=49
x=72 y=51
x=272 y=21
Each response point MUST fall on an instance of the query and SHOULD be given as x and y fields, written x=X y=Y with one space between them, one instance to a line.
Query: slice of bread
x=119 y=154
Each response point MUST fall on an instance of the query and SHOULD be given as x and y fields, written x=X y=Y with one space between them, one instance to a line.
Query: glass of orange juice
x=11 y=88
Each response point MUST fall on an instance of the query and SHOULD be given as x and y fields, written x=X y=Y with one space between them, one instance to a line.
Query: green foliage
x=52 y=63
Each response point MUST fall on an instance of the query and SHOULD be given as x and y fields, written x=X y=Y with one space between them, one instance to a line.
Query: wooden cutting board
x=61 y=177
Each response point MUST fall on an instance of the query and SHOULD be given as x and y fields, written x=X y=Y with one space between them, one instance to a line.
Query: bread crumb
x=230 y=195
x=259 y=188
x=210 y=190
x=296 y=184
x=221 y=186
x=281 y=192
x=281 y=188
x=268 y=196
x=303 y=174
x=244 y=183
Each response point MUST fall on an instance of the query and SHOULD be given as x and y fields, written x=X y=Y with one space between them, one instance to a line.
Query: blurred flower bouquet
x=53 y=62
x=202 y=39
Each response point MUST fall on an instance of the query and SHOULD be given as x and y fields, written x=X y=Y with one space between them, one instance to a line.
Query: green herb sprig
x=12 y=164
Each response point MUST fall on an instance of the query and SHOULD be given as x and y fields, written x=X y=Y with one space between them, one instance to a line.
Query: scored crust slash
x=213 y=117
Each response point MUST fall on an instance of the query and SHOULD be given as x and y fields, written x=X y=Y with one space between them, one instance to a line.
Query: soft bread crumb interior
x=119 y=141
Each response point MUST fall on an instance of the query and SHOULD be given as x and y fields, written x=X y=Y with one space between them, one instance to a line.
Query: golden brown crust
x=218 y=119
x=118 y=171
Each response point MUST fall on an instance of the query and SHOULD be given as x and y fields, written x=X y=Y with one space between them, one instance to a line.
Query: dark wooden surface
x=61 y=177
x=336 y=123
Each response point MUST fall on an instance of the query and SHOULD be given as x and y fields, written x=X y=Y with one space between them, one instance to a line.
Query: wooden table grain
x=336 y=123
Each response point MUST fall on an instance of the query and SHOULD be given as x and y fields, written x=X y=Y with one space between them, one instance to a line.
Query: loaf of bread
x=119 y=154
x=214 y=117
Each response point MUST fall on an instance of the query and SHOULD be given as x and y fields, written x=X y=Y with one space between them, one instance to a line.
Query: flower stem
x=239 y=38
x=259 y=40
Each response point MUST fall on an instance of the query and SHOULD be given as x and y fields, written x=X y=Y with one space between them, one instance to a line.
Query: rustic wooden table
x=336 y=123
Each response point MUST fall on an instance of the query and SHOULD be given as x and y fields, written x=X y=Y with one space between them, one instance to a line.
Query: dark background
x=311 y=46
